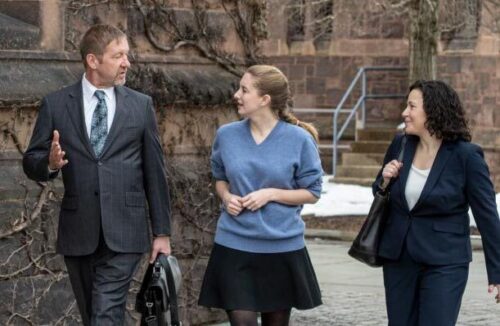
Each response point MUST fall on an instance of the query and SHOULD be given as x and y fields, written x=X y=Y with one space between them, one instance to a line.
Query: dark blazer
x=111 y=190
x=437 y=228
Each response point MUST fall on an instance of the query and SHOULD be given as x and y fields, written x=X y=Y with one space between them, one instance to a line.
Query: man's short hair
x=97 y=38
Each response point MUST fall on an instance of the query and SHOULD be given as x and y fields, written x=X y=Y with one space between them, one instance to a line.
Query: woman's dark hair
x=444 y=111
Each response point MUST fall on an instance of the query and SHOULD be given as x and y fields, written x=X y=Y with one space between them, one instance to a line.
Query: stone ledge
x=39 y=55
x=173 y=83
x=169 y=84
x=19 y=86
x=349 y=236
x=136 y=57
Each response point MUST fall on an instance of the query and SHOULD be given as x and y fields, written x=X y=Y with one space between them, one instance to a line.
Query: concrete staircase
x=324 y=125
x=361 y=165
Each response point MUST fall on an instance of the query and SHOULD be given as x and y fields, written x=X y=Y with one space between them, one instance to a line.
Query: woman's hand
x=233 y=204
x=491 y=290
x=255 y=200
x=391 y=170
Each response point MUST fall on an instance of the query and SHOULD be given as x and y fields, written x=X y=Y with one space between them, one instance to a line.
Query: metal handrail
x=361 y=74
x=360 y=102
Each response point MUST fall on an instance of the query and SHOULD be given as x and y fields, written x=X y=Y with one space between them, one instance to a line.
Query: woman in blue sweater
x=266 y=167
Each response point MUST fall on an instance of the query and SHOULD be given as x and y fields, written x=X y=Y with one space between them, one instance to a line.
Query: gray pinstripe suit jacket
x=110 y=190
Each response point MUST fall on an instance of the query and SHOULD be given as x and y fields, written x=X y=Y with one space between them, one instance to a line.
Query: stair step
x=353 y=181
x=376 y=134
x=353 y=171
x=324 y=124
x=370 y=146
x=383 y=124
x=326 y=155
x=350 y=159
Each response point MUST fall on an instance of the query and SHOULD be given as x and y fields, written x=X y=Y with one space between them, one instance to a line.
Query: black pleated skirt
x=240 y=280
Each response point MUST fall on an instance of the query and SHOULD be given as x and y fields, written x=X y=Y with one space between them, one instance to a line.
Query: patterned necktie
x=99 y=126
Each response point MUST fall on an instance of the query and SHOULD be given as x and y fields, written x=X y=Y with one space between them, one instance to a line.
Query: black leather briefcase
x=157 y=298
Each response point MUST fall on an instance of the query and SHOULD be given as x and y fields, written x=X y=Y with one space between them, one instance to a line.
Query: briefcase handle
x=172 y=292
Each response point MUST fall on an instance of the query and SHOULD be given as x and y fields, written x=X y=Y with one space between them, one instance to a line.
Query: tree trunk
x=424 y=35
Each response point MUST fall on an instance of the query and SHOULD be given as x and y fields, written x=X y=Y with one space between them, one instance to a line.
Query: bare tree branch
x=205 y=48
x=23 y=224
x=25 y=268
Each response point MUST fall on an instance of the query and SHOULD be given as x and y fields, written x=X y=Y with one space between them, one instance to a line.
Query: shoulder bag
x=365 y=246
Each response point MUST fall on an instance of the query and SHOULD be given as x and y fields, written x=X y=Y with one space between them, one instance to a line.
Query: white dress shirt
x=90 y=102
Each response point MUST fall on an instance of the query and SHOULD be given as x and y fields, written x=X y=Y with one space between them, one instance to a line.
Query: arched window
x=296 y=17
x=460 y=24
x=323 y=20
x=31 y=24
x=309 y=20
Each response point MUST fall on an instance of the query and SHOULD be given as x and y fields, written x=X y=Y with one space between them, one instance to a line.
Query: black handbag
x=157 y=298
x=365 y=246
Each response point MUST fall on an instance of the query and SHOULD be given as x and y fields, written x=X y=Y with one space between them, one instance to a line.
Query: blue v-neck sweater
x=287 y=159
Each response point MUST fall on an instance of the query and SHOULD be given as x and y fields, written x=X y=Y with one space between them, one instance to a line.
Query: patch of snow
x=349 y=200
x=340 y=199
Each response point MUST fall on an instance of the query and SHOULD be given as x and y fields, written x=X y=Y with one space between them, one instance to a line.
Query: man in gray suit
x=103 y=137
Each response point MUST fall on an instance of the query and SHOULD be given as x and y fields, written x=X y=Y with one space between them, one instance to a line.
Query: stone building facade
x=192 y=94
x=322 y=61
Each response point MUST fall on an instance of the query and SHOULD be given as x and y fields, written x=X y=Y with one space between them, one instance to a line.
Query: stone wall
x=320 y=82
x=362 y=33
x=192 y=96
x=32 y=277
x=477 y=80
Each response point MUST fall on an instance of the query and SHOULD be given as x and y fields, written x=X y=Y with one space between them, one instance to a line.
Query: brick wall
x=477 y=80
x=320 y=82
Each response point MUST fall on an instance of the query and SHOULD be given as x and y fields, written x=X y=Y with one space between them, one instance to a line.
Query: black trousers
x=423 y=295
x=100 y=282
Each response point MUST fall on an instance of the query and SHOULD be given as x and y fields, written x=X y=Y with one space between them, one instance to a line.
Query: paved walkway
x=353 y=294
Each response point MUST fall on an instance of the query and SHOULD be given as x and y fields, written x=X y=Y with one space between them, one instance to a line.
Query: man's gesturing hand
x=56 y=156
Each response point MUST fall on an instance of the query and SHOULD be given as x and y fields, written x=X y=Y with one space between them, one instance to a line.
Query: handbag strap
x=400 y=159
x=402 y=150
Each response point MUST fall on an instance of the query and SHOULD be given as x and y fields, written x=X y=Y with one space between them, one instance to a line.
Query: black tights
x=249 y=318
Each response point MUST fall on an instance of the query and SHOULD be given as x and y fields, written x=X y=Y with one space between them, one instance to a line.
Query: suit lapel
x=77 y=116
x=121 y=116
x=442 y=156
x=409 y=154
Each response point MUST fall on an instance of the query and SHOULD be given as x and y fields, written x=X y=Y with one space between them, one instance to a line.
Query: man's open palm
x=56 y=156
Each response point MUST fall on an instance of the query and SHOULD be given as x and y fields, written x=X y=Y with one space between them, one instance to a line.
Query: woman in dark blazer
x=426 y=241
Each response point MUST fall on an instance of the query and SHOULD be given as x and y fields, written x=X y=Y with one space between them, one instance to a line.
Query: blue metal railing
x=361 y=102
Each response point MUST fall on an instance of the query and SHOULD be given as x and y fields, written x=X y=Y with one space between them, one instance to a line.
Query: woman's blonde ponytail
x=271 y=81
